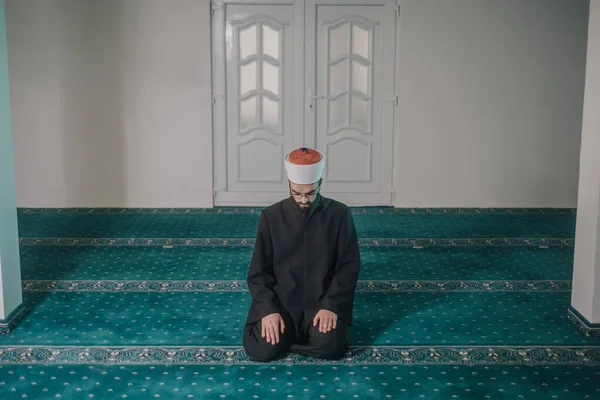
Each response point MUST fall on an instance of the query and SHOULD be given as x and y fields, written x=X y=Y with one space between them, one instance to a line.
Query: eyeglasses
x=310 y=195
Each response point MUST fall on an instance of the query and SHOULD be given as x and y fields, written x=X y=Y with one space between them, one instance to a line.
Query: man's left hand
x=326 y=319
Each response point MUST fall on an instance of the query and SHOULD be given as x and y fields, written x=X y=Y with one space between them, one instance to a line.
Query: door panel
x=352 y=111
x=263 y=101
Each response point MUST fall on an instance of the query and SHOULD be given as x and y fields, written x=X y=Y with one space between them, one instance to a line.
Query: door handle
x=311 y=97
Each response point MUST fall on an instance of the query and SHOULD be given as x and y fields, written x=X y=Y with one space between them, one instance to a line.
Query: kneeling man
x=303 y=271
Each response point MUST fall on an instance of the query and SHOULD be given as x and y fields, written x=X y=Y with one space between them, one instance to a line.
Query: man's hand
x=327 y=320
x=271 y=325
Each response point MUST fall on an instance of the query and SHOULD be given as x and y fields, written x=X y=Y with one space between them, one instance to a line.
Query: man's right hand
x=272 y=324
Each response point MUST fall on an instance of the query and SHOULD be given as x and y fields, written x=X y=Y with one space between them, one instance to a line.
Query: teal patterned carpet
x=149 y=304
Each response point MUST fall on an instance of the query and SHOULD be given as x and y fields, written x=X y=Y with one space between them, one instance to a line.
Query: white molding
x=263 y=19
x=299 y=81
x=399 y=24
x=388 y=131
x=310 y=75
x=219 y=99
x=357 y=19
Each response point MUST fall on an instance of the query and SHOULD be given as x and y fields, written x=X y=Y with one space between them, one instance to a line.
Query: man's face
x=304 y=195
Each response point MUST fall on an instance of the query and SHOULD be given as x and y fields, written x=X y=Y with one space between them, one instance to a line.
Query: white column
x=585 y=299
x=11 y=300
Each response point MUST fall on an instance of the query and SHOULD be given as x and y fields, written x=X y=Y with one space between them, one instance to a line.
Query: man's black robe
x=304 y=262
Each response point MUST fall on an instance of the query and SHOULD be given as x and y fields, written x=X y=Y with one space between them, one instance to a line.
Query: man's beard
x=308 y=206
x=304 y=206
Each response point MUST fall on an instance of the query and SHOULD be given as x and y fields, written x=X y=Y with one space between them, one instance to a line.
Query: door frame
x=218 y=99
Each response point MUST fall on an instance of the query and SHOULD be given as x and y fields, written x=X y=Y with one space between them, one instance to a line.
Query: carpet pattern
x=451 y=303
x=298 y=382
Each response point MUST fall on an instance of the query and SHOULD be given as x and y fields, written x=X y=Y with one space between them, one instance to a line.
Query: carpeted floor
x=451 y=304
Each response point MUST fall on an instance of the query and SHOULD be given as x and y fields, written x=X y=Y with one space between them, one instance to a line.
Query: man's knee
x=330 y=345
x=264 y=353
x=258 y=349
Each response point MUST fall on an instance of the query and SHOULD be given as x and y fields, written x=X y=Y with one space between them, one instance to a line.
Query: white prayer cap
x=304 y=166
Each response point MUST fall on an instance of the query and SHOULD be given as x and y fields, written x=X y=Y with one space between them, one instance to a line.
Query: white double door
x=313 y=73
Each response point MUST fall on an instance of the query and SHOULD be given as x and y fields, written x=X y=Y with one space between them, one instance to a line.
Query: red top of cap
x=304 y=156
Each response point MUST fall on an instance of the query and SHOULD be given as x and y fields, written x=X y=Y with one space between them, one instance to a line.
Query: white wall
x=115 y=95
x=491 y=95
x=111 y=102
x=586 y=273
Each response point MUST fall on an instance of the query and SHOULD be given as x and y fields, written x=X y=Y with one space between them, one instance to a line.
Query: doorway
x=313 y=73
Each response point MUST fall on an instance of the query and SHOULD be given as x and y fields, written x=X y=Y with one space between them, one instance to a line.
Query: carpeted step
x=217 y=318
x=298 y=382
x=243 y=225
x=40 y=262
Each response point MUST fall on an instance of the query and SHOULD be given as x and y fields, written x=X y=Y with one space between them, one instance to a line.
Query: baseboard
x=14 y=319
x=586 y=326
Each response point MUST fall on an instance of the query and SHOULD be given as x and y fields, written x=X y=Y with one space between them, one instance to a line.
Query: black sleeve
x=340 y=295
x=261 y=277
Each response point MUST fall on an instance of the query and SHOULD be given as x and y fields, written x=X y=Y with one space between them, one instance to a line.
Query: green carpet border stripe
x=357 y=355
x=244 y=242
x=166 y=286
x=252 y=210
